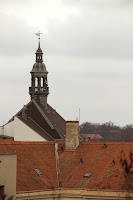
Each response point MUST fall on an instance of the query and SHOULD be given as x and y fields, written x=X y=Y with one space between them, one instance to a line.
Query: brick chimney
x=72 y=135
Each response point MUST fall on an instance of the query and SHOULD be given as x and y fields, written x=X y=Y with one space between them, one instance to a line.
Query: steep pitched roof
x=31 y=156
x=56 y=120
x=45 y=121
x=108 y=165
x=33 y=125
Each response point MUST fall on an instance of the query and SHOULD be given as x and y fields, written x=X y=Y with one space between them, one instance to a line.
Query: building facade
x=8 y=173
x=36 y=121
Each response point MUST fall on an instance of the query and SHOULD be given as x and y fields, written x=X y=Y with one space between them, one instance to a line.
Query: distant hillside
x=109 y=131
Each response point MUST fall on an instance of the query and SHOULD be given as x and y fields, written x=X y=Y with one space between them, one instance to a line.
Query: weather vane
x=38 y=34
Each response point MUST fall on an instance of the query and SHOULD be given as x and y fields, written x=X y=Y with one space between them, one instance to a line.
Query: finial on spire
x=38 y=34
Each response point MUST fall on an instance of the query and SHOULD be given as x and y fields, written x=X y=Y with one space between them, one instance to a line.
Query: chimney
x=72 y=135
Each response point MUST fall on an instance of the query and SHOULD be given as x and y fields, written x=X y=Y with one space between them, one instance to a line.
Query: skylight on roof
x=38 y=172
x=87 y=175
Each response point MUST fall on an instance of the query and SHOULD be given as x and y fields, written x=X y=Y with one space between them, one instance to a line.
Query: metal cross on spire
x=38 y=34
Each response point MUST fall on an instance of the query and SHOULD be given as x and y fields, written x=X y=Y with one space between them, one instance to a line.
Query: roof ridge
x=59 y=133
x=29 y=126
x=12 y=142
x=56 y=112
x=44 y=116
x=104 y=142
x=41 y=128
x=18 y=113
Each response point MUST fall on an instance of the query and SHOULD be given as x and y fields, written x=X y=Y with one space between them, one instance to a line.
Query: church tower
x=39 y=89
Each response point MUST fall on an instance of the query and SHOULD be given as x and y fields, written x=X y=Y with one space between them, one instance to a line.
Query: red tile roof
x=31 y=156
x=110 y=165
x=103 y=161
x=92 y=136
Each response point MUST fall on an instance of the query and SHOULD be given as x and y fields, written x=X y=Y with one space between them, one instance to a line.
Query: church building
x=36 y=121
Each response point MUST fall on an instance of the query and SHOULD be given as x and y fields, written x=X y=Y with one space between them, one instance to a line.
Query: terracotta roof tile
x=110 y=165
x=92 y=136
x=103 y=162
x=31 y=156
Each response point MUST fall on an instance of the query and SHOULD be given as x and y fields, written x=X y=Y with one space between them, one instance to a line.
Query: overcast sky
x=88 y=52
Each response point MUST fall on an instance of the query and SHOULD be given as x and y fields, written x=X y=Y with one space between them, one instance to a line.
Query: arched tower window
x=41 y=81
x=36 y=82
x=32 y=81
x=44 y=82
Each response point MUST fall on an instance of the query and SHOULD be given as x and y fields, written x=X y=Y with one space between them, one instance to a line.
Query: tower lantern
x=39 y=89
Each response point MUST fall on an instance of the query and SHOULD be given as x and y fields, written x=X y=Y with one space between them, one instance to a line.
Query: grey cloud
x=99 y=4
x=102 y=93
x=92 y=35
x=15 y=36
x=127 y=2
x=15 y=2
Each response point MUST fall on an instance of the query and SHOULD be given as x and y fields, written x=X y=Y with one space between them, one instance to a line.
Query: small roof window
x=38 y=172
x=87 y=175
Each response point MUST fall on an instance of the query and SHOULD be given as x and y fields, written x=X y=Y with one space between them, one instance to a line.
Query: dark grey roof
x=39 y=50
x=39 y=67
x=45 y=121
x=34 y=126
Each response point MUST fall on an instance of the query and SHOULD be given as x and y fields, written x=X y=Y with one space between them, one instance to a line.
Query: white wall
x=22 y=132
x=8 y=167
x=9 y=129
x=0 y=130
